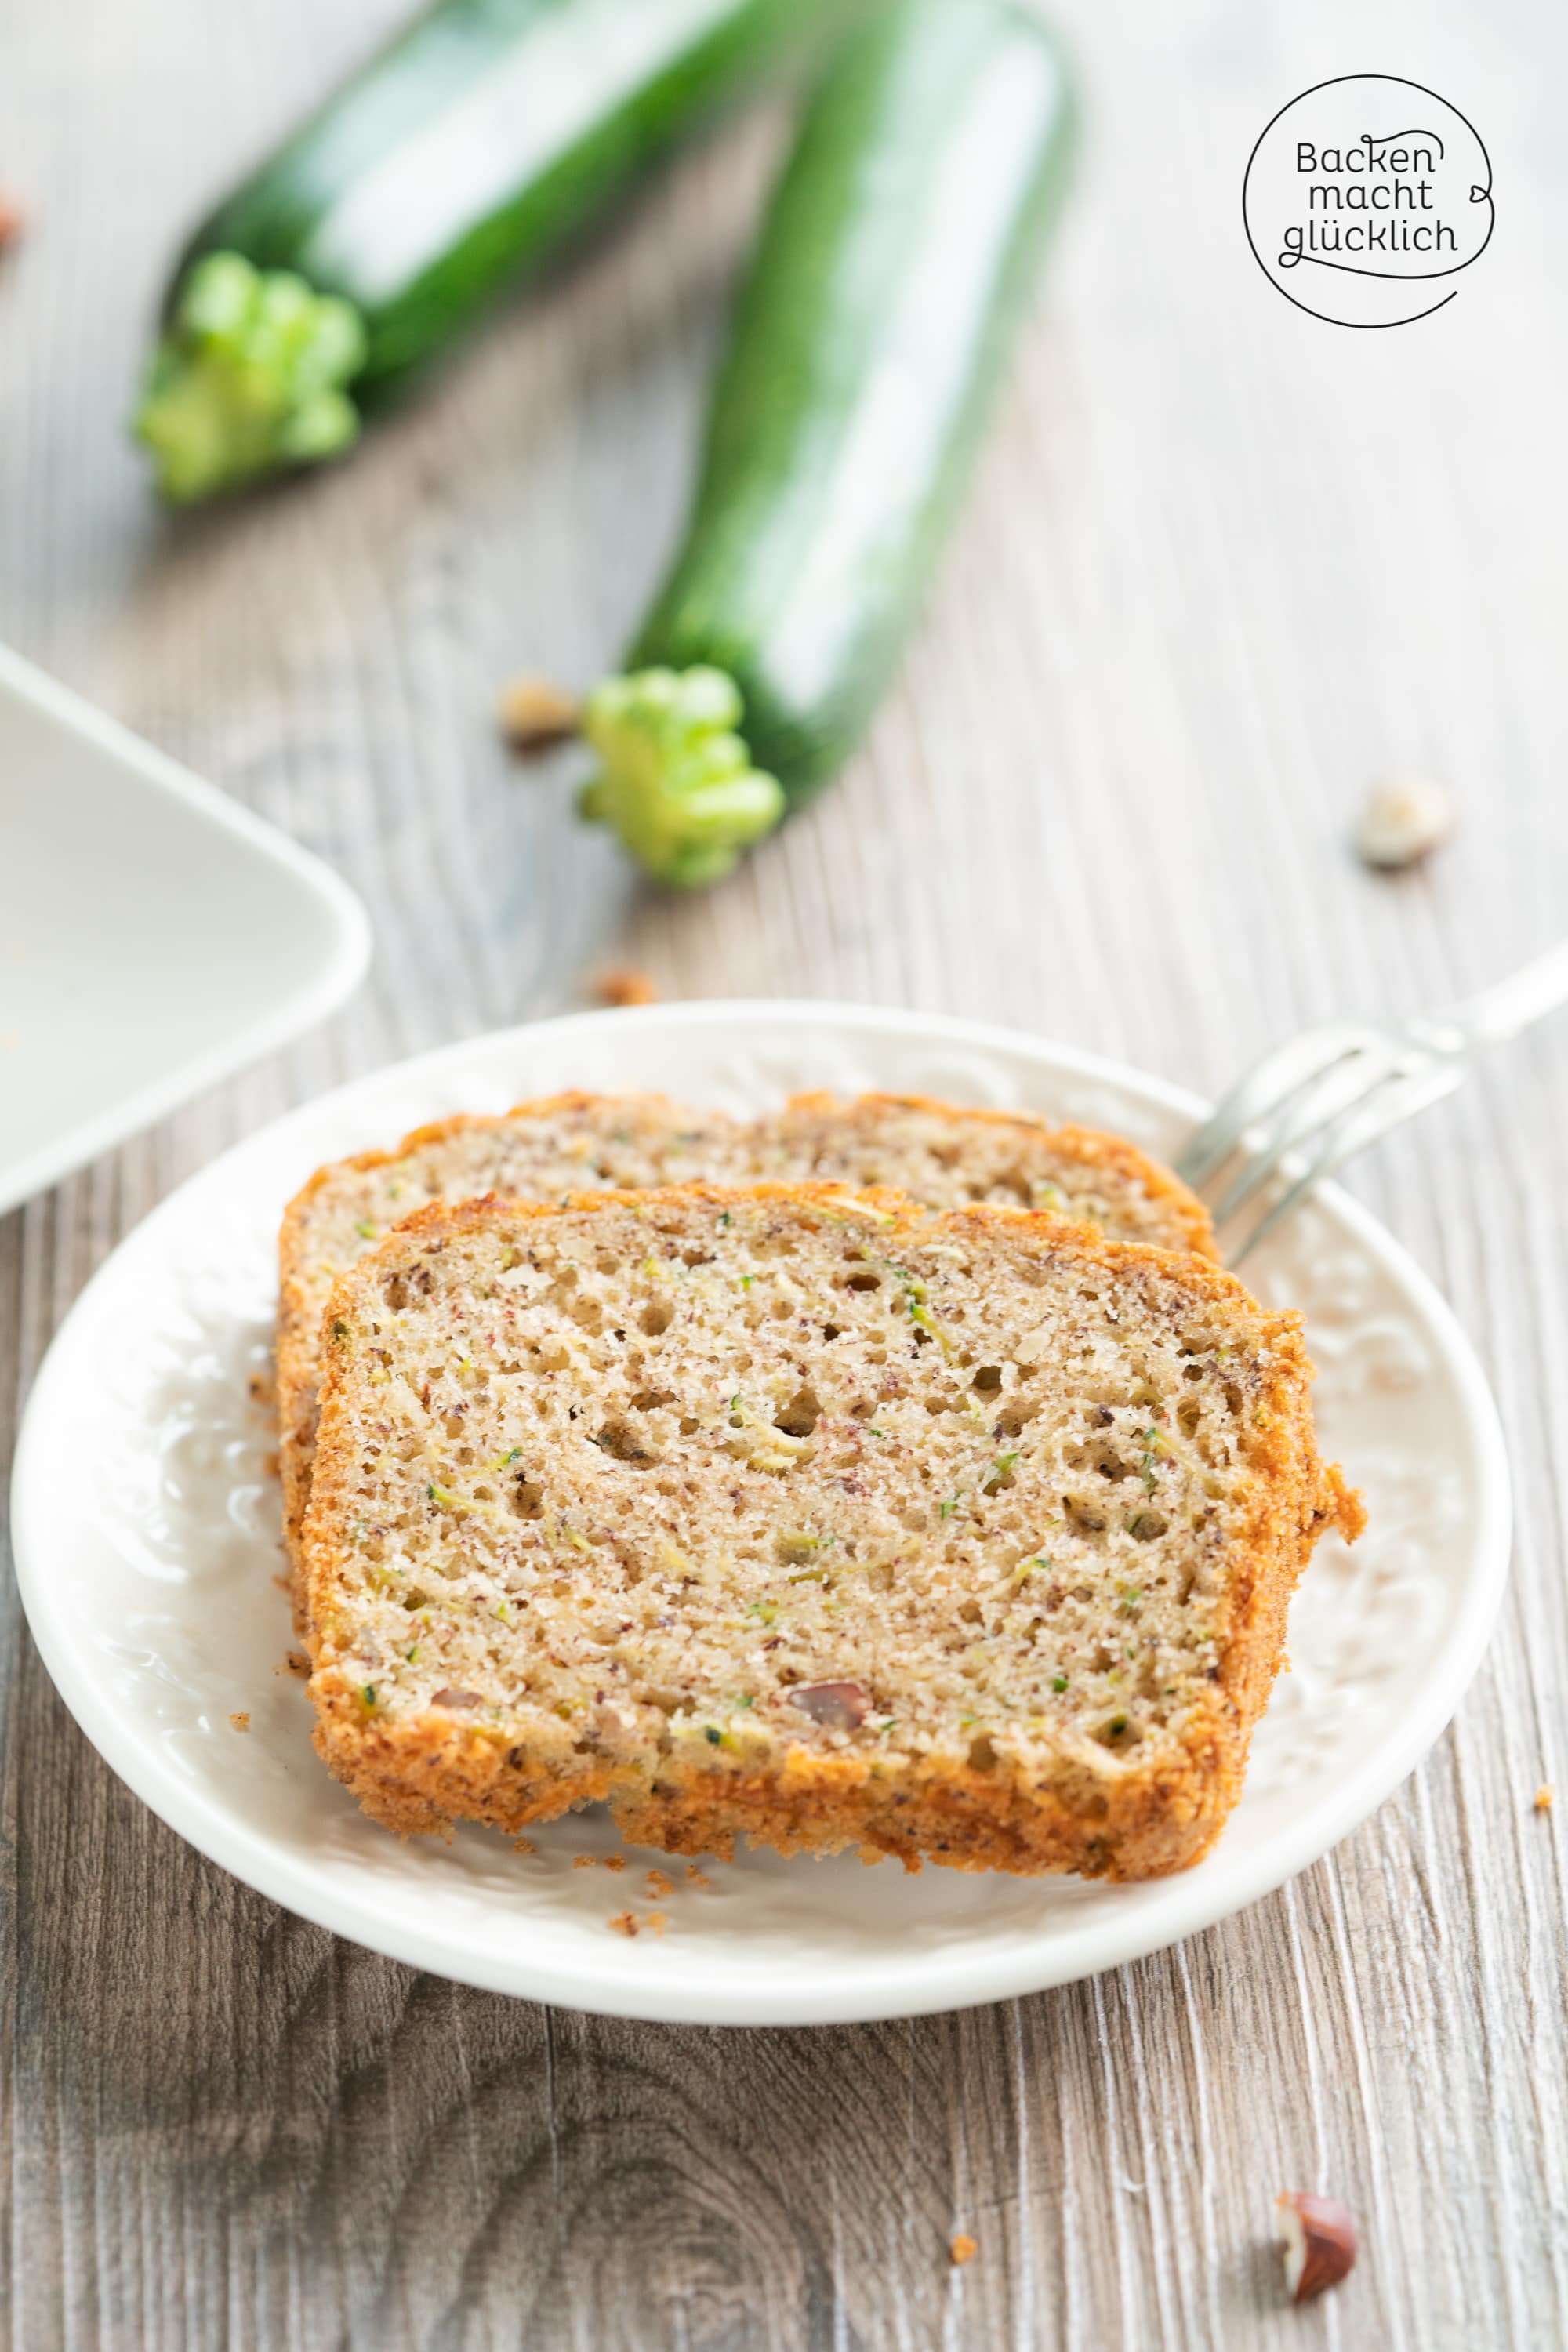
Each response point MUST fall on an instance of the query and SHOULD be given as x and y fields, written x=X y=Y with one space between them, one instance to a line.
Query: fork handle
x=1501 y=1012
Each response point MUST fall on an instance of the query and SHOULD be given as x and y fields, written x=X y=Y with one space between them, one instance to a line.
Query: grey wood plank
x=1221 y=566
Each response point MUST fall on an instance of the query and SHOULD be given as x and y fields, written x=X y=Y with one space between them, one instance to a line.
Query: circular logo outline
x=1413 y=276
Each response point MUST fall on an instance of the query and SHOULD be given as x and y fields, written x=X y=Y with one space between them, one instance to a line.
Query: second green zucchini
x=898 y=255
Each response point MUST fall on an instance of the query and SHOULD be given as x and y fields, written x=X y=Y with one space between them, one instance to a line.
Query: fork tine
x=1323 y=1099
x=1409 y=1093
x=1267 y=1087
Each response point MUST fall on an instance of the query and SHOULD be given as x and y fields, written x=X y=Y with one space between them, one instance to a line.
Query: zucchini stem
x=249 y=377
x=677 y=783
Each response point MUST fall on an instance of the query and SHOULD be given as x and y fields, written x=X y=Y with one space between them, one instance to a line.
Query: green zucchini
x=897 y=256
x=463 y=156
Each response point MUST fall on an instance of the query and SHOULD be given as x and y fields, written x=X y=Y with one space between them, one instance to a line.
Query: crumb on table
x=625 y=985
x=659 y=1884
x=241 y=1720
x=963 y=2249
x=698 y=1877
x=658 y=1922
x=523 y=1845
x=585 y=1862
x=13 y=221
x=624 y=1922
x=1544 y=1795
x=615 y=1862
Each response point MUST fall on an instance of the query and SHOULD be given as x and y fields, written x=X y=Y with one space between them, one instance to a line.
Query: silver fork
x=1305 y=1107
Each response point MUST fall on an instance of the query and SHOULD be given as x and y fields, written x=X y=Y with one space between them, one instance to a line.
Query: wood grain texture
x=1223 y=565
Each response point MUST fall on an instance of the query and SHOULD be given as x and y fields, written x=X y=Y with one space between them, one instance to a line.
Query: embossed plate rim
x=690 y=1977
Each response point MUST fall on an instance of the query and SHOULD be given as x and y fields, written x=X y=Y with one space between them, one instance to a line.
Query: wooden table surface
x=1224 y=565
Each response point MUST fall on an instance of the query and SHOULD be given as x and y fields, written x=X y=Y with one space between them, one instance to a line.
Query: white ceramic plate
x=147 y=1543
x=154 y=934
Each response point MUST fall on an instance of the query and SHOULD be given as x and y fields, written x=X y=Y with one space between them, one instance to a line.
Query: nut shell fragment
x=534 y=714
x=1319 y=2238
x=1401 y=820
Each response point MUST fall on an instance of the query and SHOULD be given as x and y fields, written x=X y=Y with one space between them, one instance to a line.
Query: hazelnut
x=1401 y=820
x=533 y=714
x=1319 y=2241
x=837 y=1706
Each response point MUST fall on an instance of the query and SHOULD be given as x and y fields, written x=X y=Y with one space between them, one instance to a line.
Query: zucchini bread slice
x=578 y=1142
x=810 y=1514
x=947 y=1157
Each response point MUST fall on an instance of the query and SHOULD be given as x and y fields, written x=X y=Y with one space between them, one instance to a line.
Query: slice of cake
x=946 y=1158
x=581 y=1142
x=811 y=1515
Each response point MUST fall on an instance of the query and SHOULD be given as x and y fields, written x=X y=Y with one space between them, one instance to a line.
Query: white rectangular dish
x=154 y=935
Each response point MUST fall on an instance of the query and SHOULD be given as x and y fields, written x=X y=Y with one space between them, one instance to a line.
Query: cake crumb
x=963 y=2249
x=13 y=221
x=624 y=1922
x=294 y=1662
x=659 y=1883
x=625 y=985
x=585 y=1862
x=241 y=1720
x=523 y=1845
x=1544 y=1795
x=615 y=1862
x=698 y=1877
x=658 y=1922
x=534 y=715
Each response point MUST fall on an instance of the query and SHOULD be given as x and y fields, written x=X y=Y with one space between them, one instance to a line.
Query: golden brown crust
x=420 y=1773
x=416 y=1777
